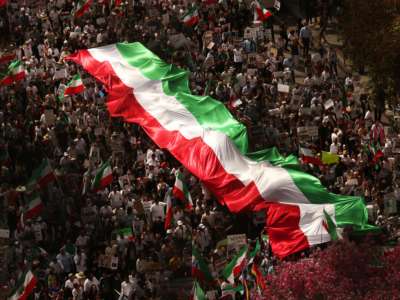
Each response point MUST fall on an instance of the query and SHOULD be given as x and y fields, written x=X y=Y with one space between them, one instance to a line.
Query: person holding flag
x=15 y=72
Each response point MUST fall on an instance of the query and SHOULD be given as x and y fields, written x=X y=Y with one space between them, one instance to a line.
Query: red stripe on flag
x=178 y=194
x=283 y=228
x=28 y=289
x=206 y=166
x=74 y=90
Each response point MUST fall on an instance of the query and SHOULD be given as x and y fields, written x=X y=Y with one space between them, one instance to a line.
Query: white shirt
x=80 y=262
x=116 y=199
x=237 y=56
x=157 y=211
x=126 y=288
x=333 y=149
x=88 y=284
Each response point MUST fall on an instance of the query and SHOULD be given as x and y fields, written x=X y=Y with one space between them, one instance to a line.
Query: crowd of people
x=277 y=77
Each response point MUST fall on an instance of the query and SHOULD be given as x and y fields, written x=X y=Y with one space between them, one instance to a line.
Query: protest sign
x=247 y=33
x=236 y=241
x=352 y=181
x=390 y=204
x=307 y=132
x=114 y=263
x=4 y=233
x=329 y=158
x=210 y=45
x=50 y=117
x=283 y=88
x=328 y=104
x=274 y=112
x=60 y=74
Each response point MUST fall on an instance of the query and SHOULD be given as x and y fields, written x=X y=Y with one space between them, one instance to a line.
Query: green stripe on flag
x=331 y=227
x=212 y=114
x=209 y=113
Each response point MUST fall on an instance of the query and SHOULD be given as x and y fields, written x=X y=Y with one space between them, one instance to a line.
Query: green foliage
x=371 y=32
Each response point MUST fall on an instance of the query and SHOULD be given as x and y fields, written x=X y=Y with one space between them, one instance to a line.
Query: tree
x=371 y=32
x=342 y=271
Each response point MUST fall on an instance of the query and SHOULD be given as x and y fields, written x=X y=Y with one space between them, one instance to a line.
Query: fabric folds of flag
x=331 y=227
x=24 y=286
x=126 y=233
x=115 y=3
x=198 y=293
x=235 y=267
x=263 y=14
x=255 y=271
x=308 y=157
x=200 y=270
x=181 y=191
x=82 y=7
x=33 y=208
x=75 y=86
x=169 y=212
x=143 y=89
x=15 y=72
x=254 y=253
x=191 y=17
x=103 y=177
x=42 y=175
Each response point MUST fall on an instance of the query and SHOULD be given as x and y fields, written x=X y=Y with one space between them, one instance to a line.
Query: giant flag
x=202 y=134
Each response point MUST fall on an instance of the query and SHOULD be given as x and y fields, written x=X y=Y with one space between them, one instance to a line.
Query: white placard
x=390 y=204
x=114 y=263
x=283 y=88
x=236 y=241
x=4 y=233
x=352 y=181
x=328 y=104
x=60 y=74
x=247 y=33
